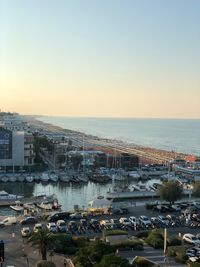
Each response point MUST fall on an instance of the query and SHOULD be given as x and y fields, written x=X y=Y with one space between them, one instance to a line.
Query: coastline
x=151 y=154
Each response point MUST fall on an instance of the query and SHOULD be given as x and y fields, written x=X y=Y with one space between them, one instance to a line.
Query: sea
x=180 y=135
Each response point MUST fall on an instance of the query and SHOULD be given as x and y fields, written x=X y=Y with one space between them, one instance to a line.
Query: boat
x=5 y=196
x=134 y=174
x=20 y=178
x=29 y=178
x=53 y=177
x=63 y=177
x=4 y=178
x=46 y=205
x=45 y=177
x=12 y=178
x=17 y=207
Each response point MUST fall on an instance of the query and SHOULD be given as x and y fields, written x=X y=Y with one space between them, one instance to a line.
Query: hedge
x=129 y=244
x=115 y=232
x=45 y=264
x=155 y=239
x=174 y=241
x=142 y=234
x=143 y=262
x=178 y=252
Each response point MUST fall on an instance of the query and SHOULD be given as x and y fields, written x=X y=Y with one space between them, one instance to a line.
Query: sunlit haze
x=105 y=58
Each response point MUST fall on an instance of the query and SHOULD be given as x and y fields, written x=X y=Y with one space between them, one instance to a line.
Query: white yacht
x=17 y=206
x=44 y=177
x=53 y=177
x=4 y=178
x=46 y=205
x=5 y=196
x=29 y=178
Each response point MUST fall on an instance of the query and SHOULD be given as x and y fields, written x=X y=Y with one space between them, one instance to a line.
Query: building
x=16 y=149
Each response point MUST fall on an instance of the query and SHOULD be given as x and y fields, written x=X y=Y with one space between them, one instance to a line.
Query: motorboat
x=53 y=177
x=46 y=205
x=45 y=177
x=12 y=178
x=64 y=177
x=29 y=178
x=17 y=207
x=5 y=196
x=20 y=178
x=4 y=178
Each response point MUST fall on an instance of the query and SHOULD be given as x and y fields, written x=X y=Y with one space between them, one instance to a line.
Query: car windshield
x=193 y=238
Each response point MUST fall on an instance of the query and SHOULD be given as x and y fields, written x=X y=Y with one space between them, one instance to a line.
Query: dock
x=139 y=195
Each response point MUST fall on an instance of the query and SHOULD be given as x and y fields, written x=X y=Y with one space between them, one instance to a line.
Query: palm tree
x=43 y=240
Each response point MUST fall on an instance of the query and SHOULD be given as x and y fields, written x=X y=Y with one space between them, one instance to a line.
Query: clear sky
x=105 y=58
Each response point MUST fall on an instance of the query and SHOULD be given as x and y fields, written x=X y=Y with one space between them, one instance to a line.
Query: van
x=9 y=221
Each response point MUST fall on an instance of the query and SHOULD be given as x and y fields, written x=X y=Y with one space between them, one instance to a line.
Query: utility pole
x=165 y=246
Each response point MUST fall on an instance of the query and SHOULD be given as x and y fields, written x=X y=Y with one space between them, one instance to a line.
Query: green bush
x=143 y=262
x=142 y=234
x=63 y=243
x=80 y=241
x=194 y=264
x=115 y=232
x=45 y=264
x=155 y=239
x=129 y=244
x=178 y=252
x=174 y=241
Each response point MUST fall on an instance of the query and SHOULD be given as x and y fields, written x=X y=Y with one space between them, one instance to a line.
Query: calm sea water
x=181 y=135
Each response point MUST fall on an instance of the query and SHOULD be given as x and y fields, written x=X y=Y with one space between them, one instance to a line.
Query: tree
x=196 y=189
x=111 y=260
x=92 y=254
x=170 y=191
x=42 y=240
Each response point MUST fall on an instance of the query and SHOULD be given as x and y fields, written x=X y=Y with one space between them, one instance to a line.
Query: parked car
x=191 y=239
x=94 y=224
x=52 y=227
x=61 y=226
x=133 y=220
x=144 y=220
x=28 y=220
x=156 y=223
x=58 y=216
x=163 y=219
x=38 y=227
x=72 y=226
x=104 y=222
x=25 y=232
x=75 y=215
x=9 y=221
x=124 y=221
x=116 y=222
x=110 y=226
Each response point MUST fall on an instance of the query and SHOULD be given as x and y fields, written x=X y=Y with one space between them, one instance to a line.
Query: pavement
x=155 y=255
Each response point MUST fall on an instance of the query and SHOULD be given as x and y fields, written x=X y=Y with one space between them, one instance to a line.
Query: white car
x=191 y=239
x=25 y=232
x=52 y=227
x=124 y=221
x=38 y=227
x=144 y=220
x=133 y=220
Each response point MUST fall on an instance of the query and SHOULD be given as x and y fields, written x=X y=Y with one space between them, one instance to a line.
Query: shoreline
x=109 y=144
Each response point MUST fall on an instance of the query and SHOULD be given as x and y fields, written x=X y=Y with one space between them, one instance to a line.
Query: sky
x=100 y=58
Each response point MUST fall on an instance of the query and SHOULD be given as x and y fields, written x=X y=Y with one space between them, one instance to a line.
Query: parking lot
x=178 y=222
